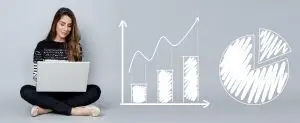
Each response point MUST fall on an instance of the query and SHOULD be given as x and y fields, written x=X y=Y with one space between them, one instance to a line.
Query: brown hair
x=73 y=39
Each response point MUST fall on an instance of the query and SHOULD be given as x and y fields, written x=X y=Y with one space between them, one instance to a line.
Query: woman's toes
x=34 y=111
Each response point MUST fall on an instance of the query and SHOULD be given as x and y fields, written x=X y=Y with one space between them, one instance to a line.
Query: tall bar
x=190 y=79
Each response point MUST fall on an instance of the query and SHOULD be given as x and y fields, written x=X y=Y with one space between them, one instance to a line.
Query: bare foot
x=86 y=111
x=36 y=110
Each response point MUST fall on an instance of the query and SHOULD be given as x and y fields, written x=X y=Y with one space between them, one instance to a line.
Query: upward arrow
x=162 y=38
x=122 y=25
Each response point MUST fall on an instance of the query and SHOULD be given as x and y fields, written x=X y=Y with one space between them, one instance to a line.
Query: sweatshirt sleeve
x=37 y=56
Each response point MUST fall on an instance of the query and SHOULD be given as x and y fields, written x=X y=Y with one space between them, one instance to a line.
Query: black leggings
x=60 y=102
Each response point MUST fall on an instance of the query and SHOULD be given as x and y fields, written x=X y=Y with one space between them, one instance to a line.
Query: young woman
x=62 y=43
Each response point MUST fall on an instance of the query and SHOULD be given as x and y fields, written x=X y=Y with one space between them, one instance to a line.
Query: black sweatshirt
x=49 y=50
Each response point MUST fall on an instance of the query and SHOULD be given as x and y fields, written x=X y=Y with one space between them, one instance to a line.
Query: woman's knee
x=26 y=91
x=95 y=90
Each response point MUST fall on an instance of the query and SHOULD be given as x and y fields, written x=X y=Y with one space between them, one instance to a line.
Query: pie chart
x=254 y=69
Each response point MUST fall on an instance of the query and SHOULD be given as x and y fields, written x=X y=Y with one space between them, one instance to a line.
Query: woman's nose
x=65 y=28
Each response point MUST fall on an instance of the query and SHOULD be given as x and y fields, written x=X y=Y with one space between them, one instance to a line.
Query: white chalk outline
x=139 y=84
x=274 y=57
x=124 y=25
x=160 y=39
x=254 y=68
x=205 y=104
x=172 y=72
x=183 y=57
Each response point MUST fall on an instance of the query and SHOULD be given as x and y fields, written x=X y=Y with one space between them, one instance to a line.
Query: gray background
x=24 y=23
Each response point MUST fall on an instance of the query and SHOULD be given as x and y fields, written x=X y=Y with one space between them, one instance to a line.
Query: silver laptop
x=62 y=76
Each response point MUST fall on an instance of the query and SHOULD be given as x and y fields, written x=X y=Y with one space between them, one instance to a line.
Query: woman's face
x=63 y=27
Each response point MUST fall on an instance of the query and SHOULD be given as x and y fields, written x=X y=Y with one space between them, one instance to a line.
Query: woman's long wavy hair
x=73 y=39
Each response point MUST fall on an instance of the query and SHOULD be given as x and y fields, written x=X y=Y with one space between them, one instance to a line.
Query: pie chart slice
x=271 y=45
x=252 y=85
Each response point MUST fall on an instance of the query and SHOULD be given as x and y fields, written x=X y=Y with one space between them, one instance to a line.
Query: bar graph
x=165 y=86
x=190 y=78
x=138 y=92
x=166 y=77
